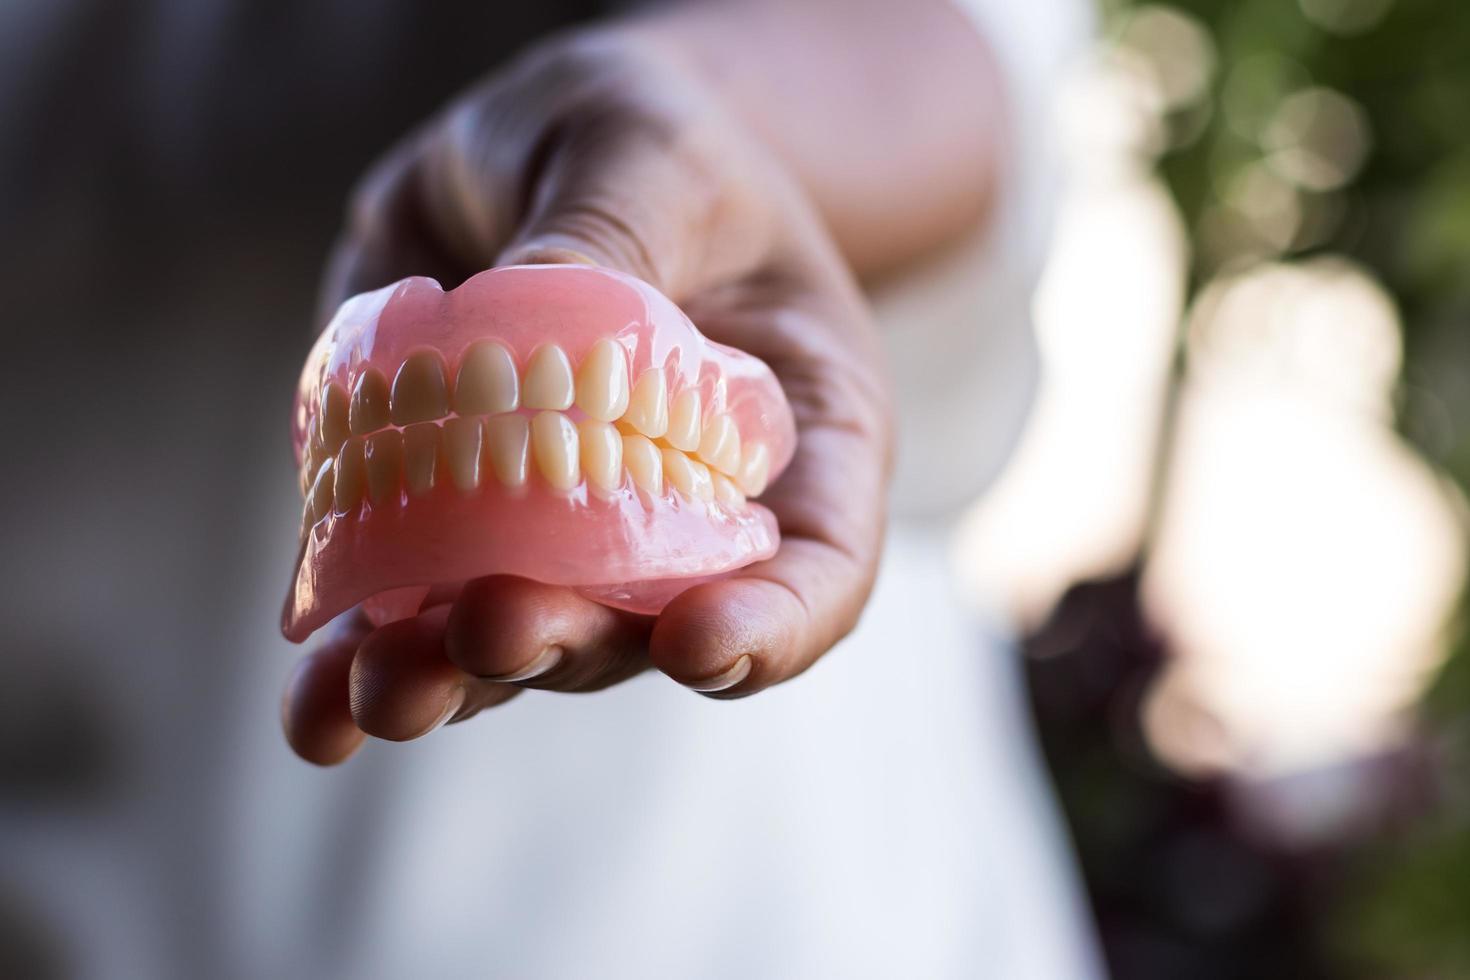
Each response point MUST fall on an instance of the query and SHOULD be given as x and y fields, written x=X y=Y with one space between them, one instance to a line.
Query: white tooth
x=602 y=381
x=548 y=380
x=384 y=457
x=684 y=421
x=369 y=411
x=487 y=383
x=689 y=476
x=648 y=406
x=420 y=457
x=508 y=438
x=720 y=444
x=332 y=417
x=602 y=454
x=644 y=462
x=755 y=469
x=726 y=492
x=319 y=497
x=351 y=471
x=419 y=392
x=462 y=452
x=554 y=444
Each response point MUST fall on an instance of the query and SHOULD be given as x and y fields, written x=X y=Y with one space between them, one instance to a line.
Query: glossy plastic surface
x=624 y=547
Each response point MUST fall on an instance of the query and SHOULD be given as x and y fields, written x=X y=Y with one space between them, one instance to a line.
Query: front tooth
x=644 y=462
x=319 y=499
x=508 y=438
x=720 y=444
x=554 y=444
x=602 y=381
x=684 y=428
x=369 y=402
x=384 y=458
x=487 y=383
x=462 y=452
x=548 y=380
x=420 y=457
x=726 y=492
x=689 y=476
x=332 y=417
x=351 y=476
x=648 y=406
x=755 y=469
x=419 y=392
x=602 y=454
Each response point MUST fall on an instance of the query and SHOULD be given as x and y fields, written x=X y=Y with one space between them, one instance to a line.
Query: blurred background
x=1234 y=529
x=1241 y=548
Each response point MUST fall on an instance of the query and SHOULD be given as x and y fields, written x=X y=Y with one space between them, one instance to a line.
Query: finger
x=315 y=714
x=517 y=631
x=773 y=619
x=402 y=687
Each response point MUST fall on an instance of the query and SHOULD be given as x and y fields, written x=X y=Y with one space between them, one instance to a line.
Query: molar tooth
x=487 y=383
x=648 y=406
x=384 y=457
x=684 y=421
x=332 y=417
x=602 y=454
x=689 y=476
x=755 y=469
x=420 y=457
x=462 y=452
x=508 y=438
x=369 y=411
x=548 y=380
x=720 y=444
x=351 y=472
x=726 y=492
x=319 y=498
x=554 y=444
x=419 y=392
x=644 y=462
x=602 y=381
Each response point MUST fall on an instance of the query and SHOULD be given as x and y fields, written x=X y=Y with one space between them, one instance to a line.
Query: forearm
x=888 y=113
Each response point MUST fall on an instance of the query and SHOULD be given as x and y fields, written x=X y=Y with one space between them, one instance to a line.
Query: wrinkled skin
x=604 y=148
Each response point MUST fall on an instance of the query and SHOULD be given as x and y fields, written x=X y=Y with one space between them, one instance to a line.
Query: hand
x=605 y=147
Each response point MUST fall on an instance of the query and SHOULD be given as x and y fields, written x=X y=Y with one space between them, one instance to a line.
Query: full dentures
x=563 y=423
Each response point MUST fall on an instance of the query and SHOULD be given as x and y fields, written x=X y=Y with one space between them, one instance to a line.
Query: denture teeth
x=332 y=418
x=548 y=383
x=462 y=452
x=720 y=444
x=487 y=382
x=684 y=421
x=726 y=492
x=648 y=406
x=554 y=443
x=602 y=381
x=319 y=498
x=369 y=411
x=351 y=475
x=383 y=454
x=419 y=392
x=644 y=463
x=689 y=476
x=755 y=469
x=420 y=457
x=508 y=441
x=602 y=454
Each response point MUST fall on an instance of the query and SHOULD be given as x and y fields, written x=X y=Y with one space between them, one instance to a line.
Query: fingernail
x=545 y=253
x=451 y=708
x=544 y=663
x=726 y=680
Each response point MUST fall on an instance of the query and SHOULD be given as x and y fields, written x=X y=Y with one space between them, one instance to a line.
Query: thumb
x=635 y=197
